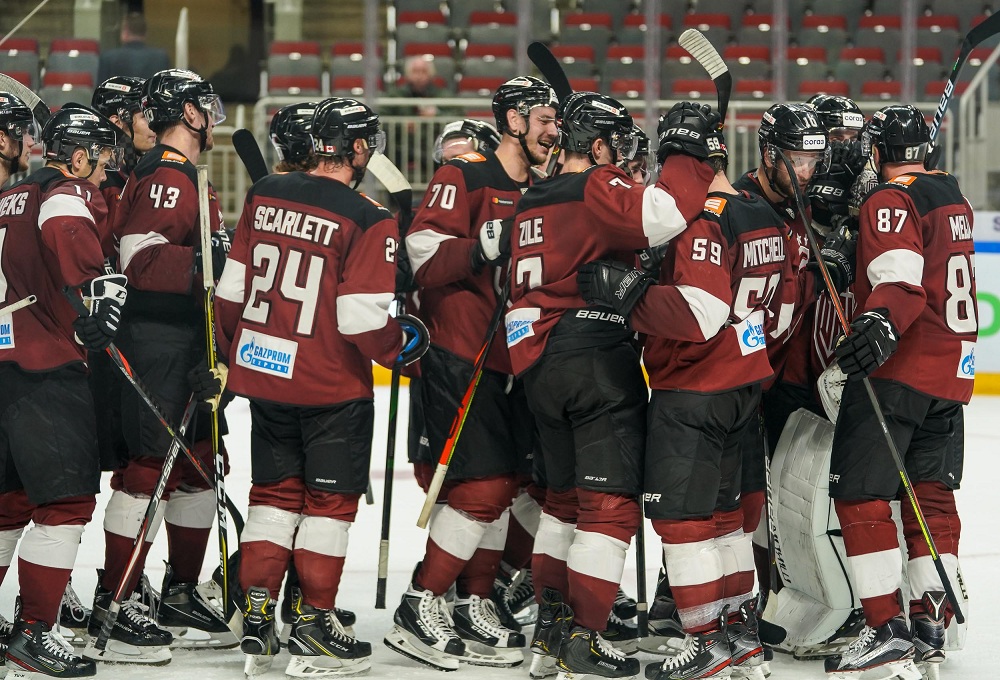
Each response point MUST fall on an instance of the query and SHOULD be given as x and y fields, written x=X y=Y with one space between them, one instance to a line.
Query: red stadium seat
x=577 y=60
x=583 y=84
x=881 y=90
x=73 y=78
x=295 y=49
x=627 y=88
x=294 y=85
x=754 y=89
x=479 y=86
x=693 y=88
x=808 y=88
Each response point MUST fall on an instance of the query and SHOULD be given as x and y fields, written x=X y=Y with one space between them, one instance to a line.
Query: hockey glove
x=613 y=284
x=689 y=128
x=872 y=341
x=650 y=259
x=830 y=192
x=416 y=339
x=865 y=183
x=105 y=297
x=493 y=245
x=839 y=253
x=207 y=385
x=221 y=244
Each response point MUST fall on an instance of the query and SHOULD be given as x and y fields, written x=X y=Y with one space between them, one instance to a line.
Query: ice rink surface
x=978 y=503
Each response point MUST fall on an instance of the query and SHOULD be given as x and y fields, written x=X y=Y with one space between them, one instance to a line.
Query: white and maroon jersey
x=158 y=230
x=917 y=260
x=455 y=303
x=721 y=282
x=827 y=329
x=302 y=308
x=50 y=226
x=571 y=219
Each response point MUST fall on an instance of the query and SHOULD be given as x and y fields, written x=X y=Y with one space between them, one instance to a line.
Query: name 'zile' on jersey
x=306 y=291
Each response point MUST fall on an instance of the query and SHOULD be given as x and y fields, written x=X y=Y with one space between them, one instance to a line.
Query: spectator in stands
x=418 y=83
x=134 y=57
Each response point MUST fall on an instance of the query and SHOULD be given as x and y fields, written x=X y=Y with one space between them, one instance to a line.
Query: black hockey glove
x=105 y=297
x=612 y=284
x=221 y=245
x=689 y=128
x=872 y=341
x=207 y=385
x=839 y=253
x=416 y=339
x=830 y=192
x=650 y=259
x=493 y=245
x=865 y=183
x=405 y=281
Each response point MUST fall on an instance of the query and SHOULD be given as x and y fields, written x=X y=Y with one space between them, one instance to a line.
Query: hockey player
x=290 y=136
x=300 y=343
x=581 y=371
x=156 y=225
x=464 y=136
x=49 y=467
x=841 y=116
x=457 y=246
x=17 y=136
x=705 y=326
x=915 y=336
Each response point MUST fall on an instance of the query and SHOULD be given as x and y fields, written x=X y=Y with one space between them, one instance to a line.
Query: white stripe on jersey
x=897 y=266
x=710 y=312
x=232 y=284
x=661 y=220
x=133 y=243
x=362 y=312
x=423 y=245
x=63 y=205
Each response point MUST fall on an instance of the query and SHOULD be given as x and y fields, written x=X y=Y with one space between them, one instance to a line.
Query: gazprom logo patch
x=6 y=332
x=520 y=324
x=267 y=354
x=967 y=364
x=750 y=333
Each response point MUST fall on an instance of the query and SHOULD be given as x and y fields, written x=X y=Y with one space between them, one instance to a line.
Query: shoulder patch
x=715 y=205
x=471 y=157
x=173 y=157
x=905 y=180
x=373 y=201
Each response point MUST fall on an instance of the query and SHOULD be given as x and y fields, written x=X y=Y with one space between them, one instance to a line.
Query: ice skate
x=928 y=630
x=836 y=644
x=880 y=653
x=193 y=612
x=135 y=638
x=666 y=635
x=6 y=628
x=36 y=651
x=73 y=617
x=585 y=654
x=425 y=631
x=553 y=616
x=745 y=647
x=260 y=642
x=499 y=592
x=321 y=648
x=521 y=598
x=702 y=656
x=623 y=635
x=625 y=607
x=487 y=641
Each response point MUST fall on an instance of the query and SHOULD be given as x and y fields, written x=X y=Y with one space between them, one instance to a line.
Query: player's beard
x=533 y=156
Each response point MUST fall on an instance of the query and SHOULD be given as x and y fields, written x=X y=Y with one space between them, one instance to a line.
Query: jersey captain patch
x=715 y=205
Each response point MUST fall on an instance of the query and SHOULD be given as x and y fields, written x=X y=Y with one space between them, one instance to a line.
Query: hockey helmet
x=586 y=116
x=793 y=127
x=337 y=122
x=899 y=132
x=16 y=119
x=119 y=96
x=290 y=131
x=165 y=93
x=482 y=135
x=77 y=126
x=839 y=115
x=522 y=93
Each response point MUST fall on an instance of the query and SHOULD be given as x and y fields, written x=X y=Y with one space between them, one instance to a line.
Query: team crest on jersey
x=472 y=157
x=967 y=364
x=6 y=332
x=905 y=180
x=520 y=324
x=173 y=157
x=267 y=354
x=715 y=205
x=750 y=333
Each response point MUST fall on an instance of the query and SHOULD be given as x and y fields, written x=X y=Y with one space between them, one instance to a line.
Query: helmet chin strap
x=202 y=131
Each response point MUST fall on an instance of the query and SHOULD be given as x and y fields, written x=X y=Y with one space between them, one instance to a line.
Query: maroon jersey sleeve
x=70 y=218
x=440 y=239
x=231 y=292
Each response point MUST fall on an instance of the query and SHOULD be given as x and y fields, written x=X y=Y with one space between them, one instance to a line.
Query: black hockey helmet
x=338 y=121
x=77 y=126
x=16 y=121
x=483 y=136
x=119 y=96
x=165 y=93
x=586 y=116
x=899 y=132
x=522 y=93
x=290 y=131
x=792 y=127
x=643 y=145
x=837 y=112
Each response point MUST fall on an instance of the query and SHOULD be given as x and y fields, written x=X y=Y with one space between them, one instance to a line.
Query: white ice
x=978 y=502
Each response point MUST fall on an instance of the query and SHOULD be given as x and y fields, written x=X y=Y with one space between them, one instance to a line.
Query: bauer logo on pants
x=267 y=354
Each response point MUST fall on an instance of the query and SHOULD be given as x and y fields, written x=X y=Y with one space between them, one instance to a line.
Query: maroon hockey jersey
x=111 y=189
x=50 y=228
x=917 y=260
x=455 y=303
x=575 y=218
x=302 y=307
x=721 y=282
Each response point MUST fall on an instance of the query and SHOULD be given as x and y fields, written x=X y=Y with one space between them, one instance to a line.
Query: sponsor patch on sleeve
x=472 y=157
x=173 y=156
x=905 y=180
x=715 y=205
x=6 y=331
x=267 y=354
x=520 y=324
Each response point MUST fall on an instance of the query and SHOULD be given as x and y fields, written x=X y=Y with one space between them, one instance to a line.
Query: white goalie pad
x=817 y=597
x=830 y=386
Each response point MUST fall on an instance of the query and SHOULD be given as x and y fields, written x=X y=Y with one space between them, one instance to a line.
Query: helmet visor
x=114 y=155
x=212 y=105
x=809 y=161
x=376 y=142
x=19 y=128
x=626 y=145
x=454 y=145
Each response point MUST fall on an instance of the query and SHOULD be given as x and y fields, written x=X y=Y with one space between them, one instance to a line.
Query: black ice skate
x=487 y=641
x=34 y=649
x=135 y=638
x=521 y=598
x=585 y=654
x=702 y=656
x=260 y=640
x=499 y=594
x=625 y=607
x=666 y=634
x=346 y=617
x=320 y=647
x=6 y=628
x=73 y=617
x=553 y=617
x=928 y=630
x=425 y=631
x=193 y=613
x=744 y=645
x=624 y=635
x=888 y=649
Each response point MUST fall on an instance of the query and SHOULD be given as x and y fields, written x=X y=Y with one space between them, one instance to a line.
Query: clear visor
x=275 y=142
x=376 y=142
x=18 y=129
x=212 y=105
x=453 y=146
x=808 y=161
x=626 y=145
x=113 y=156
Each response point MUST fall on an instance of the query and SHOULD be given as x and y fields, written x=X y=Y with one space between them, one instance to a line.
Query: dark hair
x=135 y=23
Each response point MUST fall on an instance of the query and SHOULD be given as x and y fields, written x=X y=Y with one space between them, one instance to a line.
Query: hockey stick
x=463 y=410
x=641 y=605
x=23 y=21
x=20 y=304
x=897 y=458
x=550 y=68
x=248 y=151
x=208 y=278
x=695 y=42
x=38 y=108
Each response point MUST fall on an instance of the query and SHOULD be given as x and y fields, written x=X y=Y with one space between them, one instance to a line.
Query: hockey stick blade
x=38 y=108
x=388 y=175
x=550 y=68
x=248 y=151
x=695 y=42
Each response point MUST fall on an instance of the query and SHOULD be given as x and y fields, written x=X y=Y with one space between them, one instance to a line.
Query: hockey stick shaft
x=434 y=488
x=390 y=463
x=250 y=154
x=20 y=304
x=987 y=28
x=23 y=21
x=880 y=416
x=641 y=605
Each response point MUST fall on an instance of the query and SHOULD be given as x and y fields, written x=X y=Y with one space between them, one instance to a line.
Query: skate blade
x=569 y=675
x=542 y=666
x=929 y=670
x=478 y=654
x=528 y=615
x=900 y=670
x=663 y=645
x=326 y=666
x=121 y=653
x=193 y=638
x=749 y=672
x=257 y=664
x=75 y=636
x=402 y=642
x=626 y=647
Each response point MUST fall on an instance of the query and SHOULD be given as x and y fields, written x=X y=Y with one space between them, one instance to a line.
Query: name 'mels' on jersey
x=723 y=275
x=916 y=258
x=50 y=226
x=302 y=308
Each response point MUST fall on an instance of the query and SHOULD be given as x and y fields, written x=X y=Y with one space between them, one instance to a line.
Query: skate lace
x=685 y=656
x=489 y=616
x=522 y=589
x=434 y=610
x=56 y=645
x=6 y=627
x=606 y=647
x=622 y=597
x=865 y=639
x=334 y=627
x=135 y=612
x=72 y=600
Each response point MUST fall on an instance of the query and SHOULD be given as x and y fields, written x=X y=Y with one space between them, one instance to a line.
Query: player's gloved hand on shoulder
x=839 y=252
x=208 y=384
x=872 y=341
x=690 y=128
x=105 y=297
x=612 y=284
x=416 y=339
x=221 y=245
x=650 y=259
x=493 y=245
